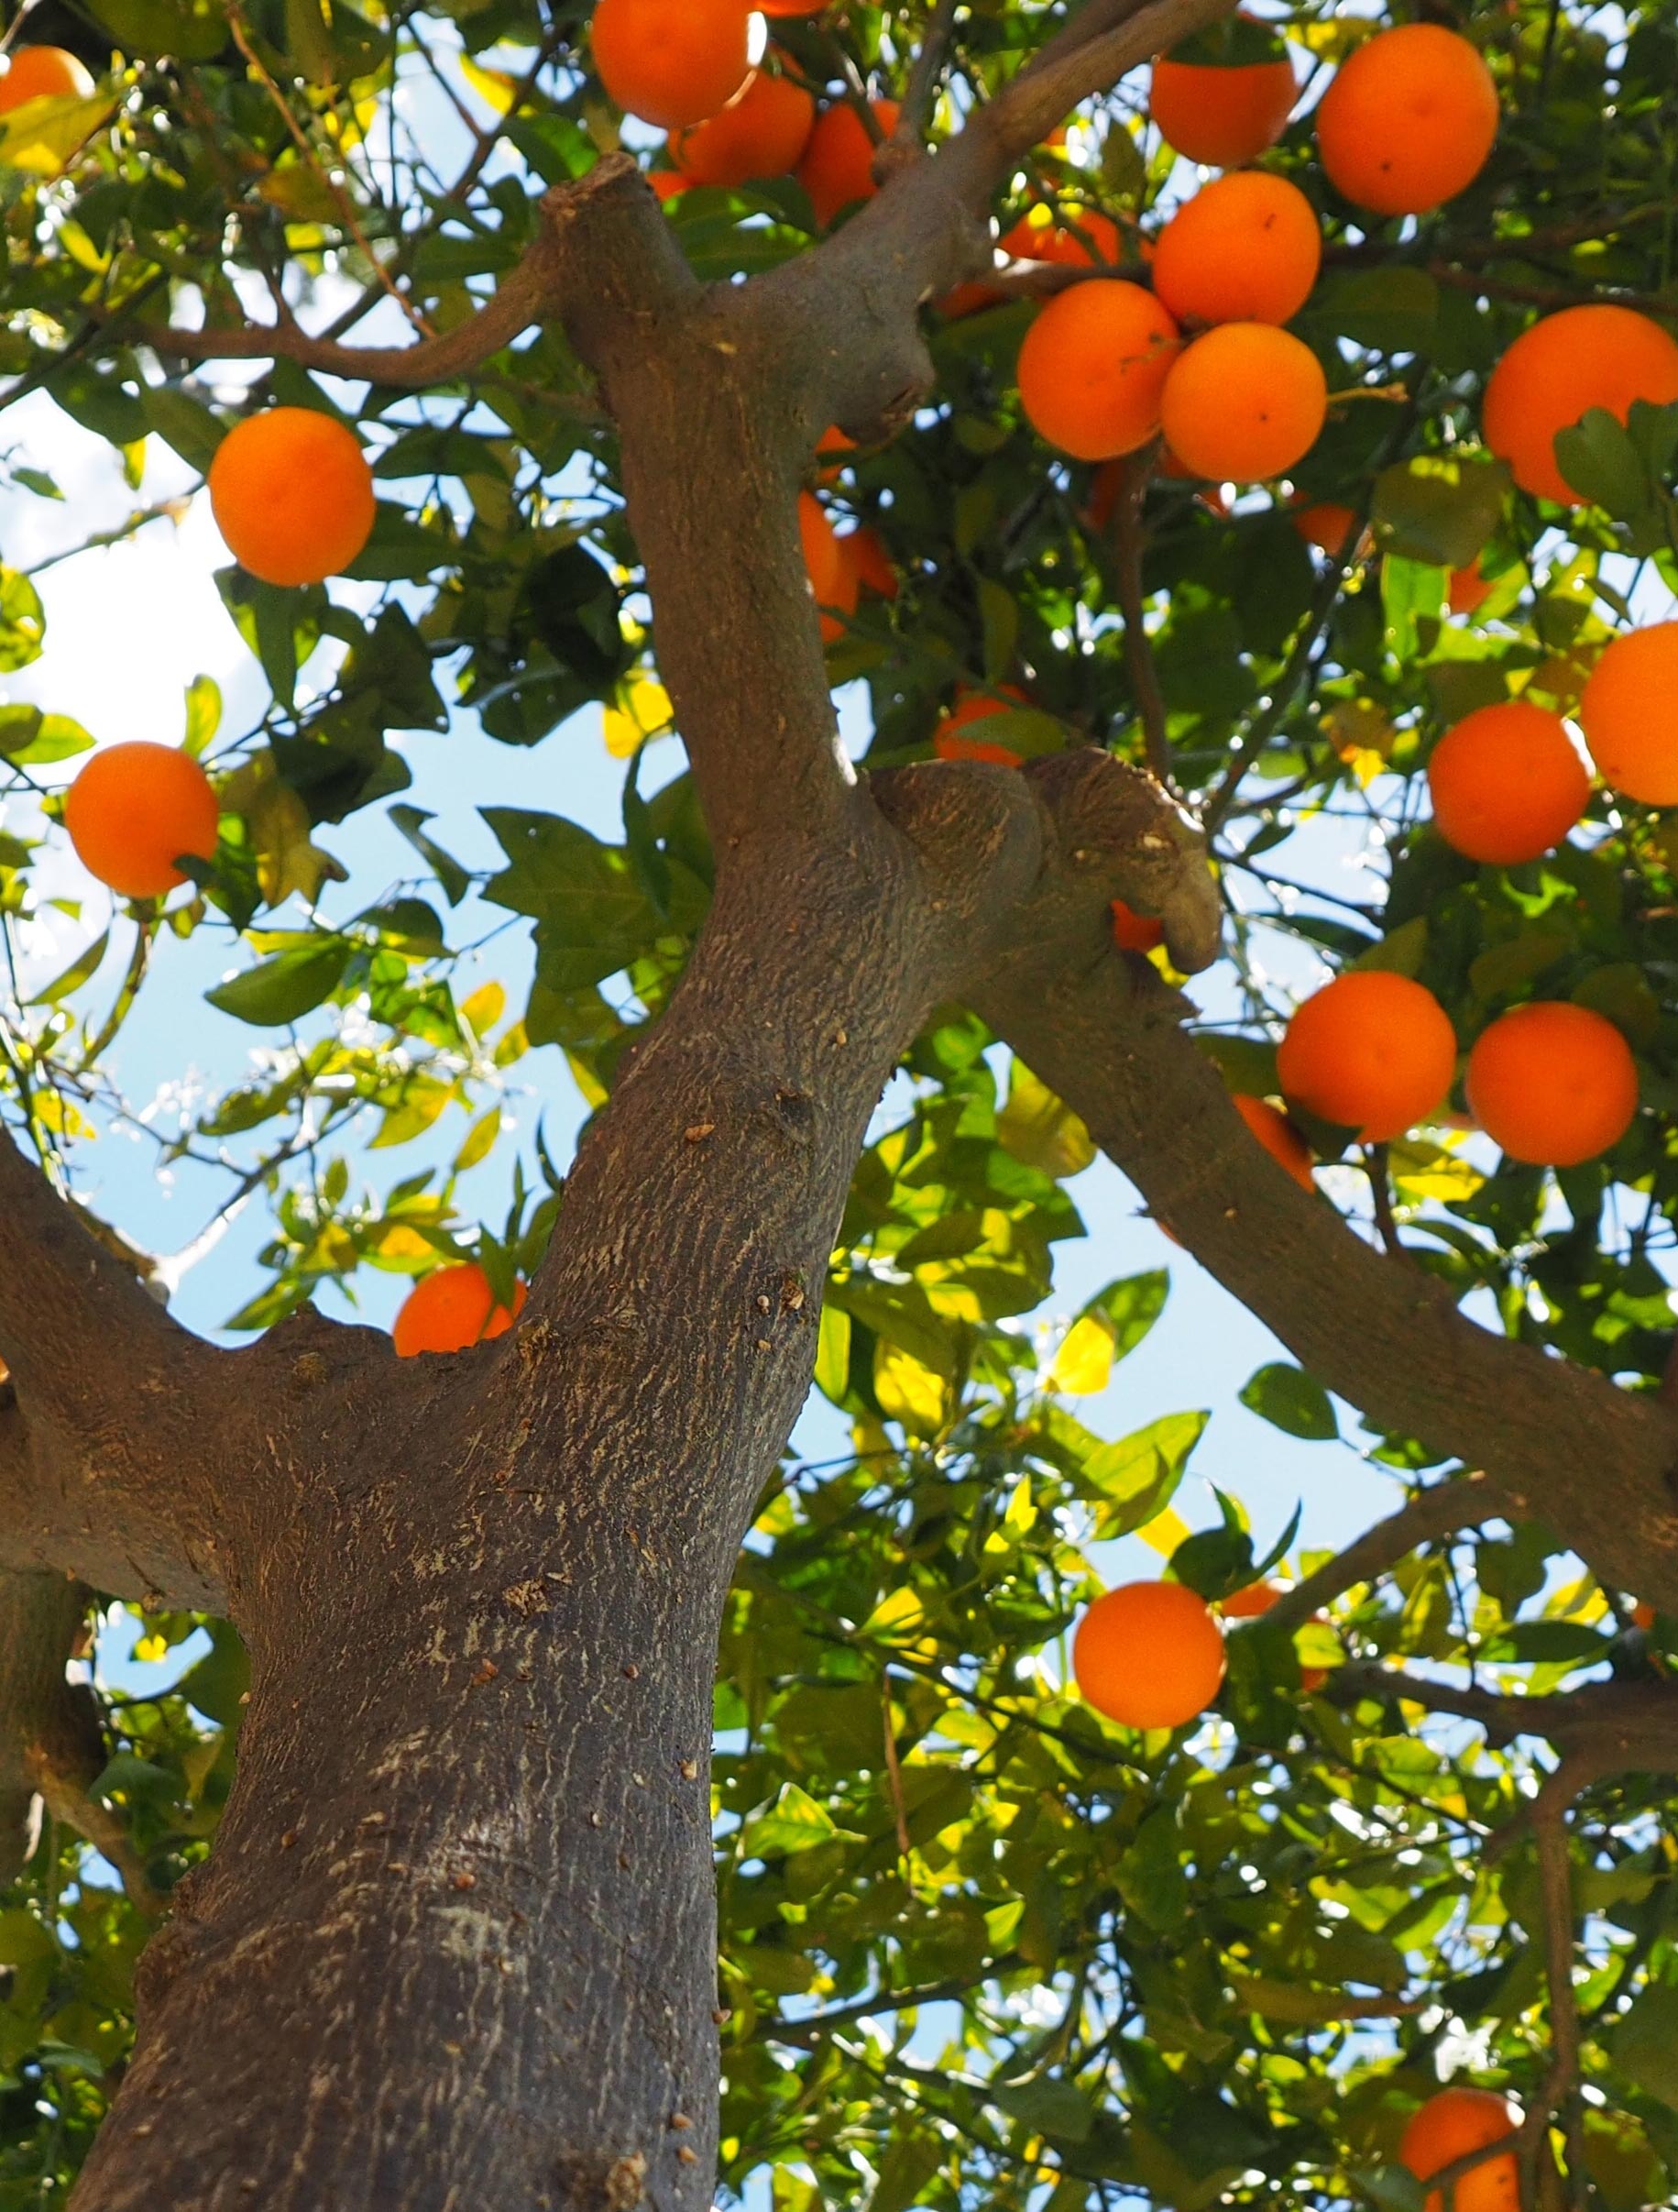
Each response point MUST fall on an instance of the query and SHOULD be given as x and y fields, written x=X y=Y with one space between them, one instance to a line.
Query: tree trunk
x=455 y=1948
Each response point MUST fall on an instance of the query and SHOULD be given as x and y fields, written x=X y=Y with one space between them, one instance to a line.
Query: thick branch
x=1601 y=1728
x=51 y=1751
x=716 y=435
x=1431 y=1512
x=848 y=310
x=1560 y=1441
x=526 y=296
x=45 y=1733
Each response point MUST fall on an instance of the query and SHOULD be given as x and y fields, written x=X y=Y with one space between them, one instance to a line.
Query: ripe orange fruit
x=1561 y=368
x=1257 y=1598
x=1643 y=1616
x=1094 y=366
x=1630 y=714
x=1408 y=121
x=1244 y=401
x=832 y=448
x=1327 y=526
x=1371 y=1052
x=42 y=72
x=949 y=741
x=1449 y=2127
x=1280 y=1139
x=865 y=553
x=1149 y=1655
x=1552 y=1084
x=1466 y=589
x=1222 y=117
x=790 y=8
x=451 y=1310
x=1072 y=237
x=672 y=62
x=1507 y=783
x=1134 y=932
x=838 y=164
x=761 y=133
x=133 y=810
x=1246 y=248
x=668 y=184
x=834 y=581
x=293 y=495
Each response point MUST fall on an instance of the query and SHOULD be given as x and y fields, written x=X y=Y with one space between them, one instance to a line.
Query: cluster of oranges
x=1407 y=124
x=1551 y=1083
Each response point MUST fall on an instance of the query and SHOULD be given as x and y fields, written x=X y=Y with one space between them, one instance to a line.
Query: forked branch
x=1434 y=1511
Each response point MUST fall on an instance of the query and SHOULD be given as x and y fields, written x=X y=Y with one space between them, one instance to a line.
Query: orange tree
x=506 y=1906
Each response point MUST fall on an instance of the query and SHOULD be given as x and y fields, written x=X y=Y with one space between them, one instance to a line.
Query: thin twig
x=907 y=142
x=1129 y=545
x=352 y=222
x=893 y=1771
x=1376 y=1158
x=1434 y=1511
x=803 y=2033
x=1562 y=2094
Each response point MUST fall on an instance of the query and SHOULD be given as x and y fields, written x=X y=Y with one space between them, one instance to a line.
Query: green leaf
x=1438 y=510
x=1037 y=1128
x=79 y=969
x=450 y=876
x=1400 y=952
x=1548 y=1644
x=185 y=423
x=793 y=1822
x=399 y=549
x=1598 y=459
x=1133 y=1480
x=203 y=714
x=594 y=918
x=1391 y=310
x=289 y=986
x=32 y=738
x=190 y=30
x=1645 y=2044
x=1047 y=2106
x=23 y=625
x=1289 y=1399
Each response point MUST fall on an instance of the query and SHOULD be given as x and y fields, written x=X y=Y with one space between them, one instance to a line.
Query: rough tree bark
x=456 y=1946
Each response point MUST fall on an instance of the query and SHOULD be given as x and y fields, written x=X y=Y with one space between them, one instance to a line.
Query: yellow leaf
x=495 y=85
x=299 y=191
x=1165 y=1532
x=908 y=1391
x=1084 y=1361
x=480 y=1142
x=897 y=1619
x=483 y=1009
x=151 y=1648
x=402 y=1243
x=595 y=1092
x=1421 y=1170
x=1022 y=1514
x=40 y=135
x=643 y=709
x=1037 y=1128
